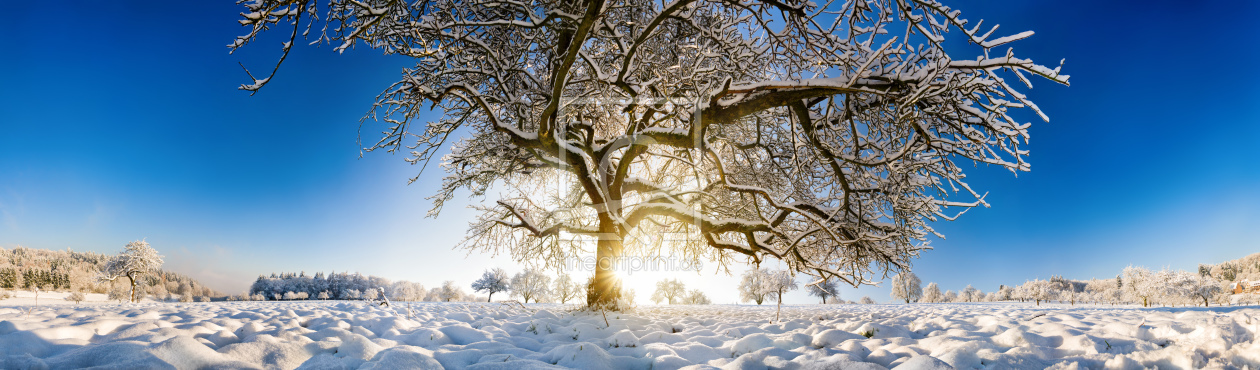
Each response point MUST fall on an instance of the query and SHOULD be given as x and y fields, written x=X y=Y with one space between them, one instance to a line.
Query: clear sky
x=121 y=120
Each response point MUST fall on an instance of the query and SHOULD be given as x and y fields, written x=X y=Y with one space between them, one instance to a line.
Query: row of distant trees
x=1134 y=285
x=130 y=275
x=346 y=286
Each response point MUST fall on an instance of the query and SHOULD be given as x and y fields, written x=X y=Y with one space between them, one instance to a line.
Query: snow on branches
x=492 y=281
x=137 y=259
x=908 y=287
x=826 y=136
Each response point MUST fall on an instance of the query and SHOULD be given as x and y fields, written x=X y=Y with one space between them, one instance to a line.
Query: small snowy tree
x=449 y=291
x=906 y=286
x=777 y=283
x=75 y=297
x=289 y=296
x=531 y=284
x=932 y=294
x=824 y=134
x=137 y=259
x=867 y=300
x=823 y=290
x=323 y=295
x=565 y=289
x=950 y=297
x=668 y=290
x=492 y=281
x=752 y=286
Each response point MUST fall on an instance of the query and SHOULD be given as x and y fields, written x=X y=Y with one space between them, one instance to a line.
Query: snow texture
x=343 y=335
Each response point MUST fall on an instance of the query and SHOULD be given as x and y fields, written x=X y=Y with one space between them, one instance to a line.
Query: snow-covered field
x=348 y=335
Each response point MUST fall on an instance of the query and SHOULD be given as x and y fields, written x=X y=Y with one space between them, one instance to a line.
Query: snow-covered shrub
x=906 y=286
x=118 y=293
x=668 y=290
x=950 y=296
x=185 y=298
x=257 y=297
x=75 y=297
x=866 y=300
x=202 y=298
x=492 y=281
x=289 y=296
x=323 y=295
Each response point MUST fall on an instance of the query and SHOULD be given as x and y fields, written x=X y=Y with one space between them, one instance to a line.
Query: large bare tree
x=825 y=135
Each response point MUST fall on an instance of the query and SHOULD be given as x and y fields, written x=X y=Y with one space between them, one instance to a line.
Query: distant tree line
x=340 y=285
x=73 y=271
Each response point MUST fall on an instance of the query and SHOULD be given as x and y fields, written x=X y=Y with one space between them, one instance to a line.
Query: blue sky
x=120 y=121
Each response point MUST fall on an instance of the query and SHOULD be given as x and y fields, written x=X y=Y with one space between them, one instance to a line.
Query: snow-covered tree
x=1039 y=290
x=136 y=260
x=932 y=294
x=564 y=289
x=1004 y=293
x=823 y=290
x=406 y=291
x=777 y=283
x=823 y=134
x=492 y=281
x=752 y=286
x=866 y=300
x=695 y=296
x=449 y=291
x=950 y=296
x=1139 y=284
x=531 y=284
x=906 y=286
x=668 y=290
x=969 y=294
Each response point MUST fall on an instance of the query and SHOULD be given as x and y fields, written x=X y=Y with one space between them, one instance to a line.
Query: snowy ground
x=347 y=335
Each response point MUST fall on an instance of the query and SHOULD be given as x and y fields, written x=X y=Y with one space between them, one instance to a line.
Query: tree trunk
x=133 y=287
x=490 y=298
x=607 y=251
x=778 y=308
